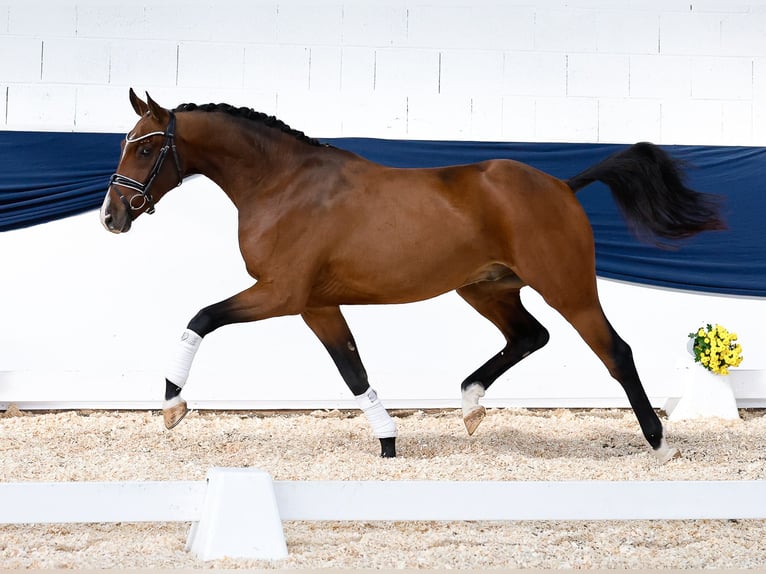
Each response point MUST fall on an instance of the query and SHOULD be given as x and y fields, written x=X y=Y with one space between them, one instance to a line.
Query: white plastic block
x=307 y=23
x=566 y=31
x=240 y=518
x=566 y=119
x=690 y=33
x=598 y=75
x=628 y=32
x=628 y=120
x=276 y=67
x=722 y=78
x=471 y=72
x=374 y=25
x=492 y=26
x=406 y=71
x=534 y=74
x=20 y=59
x=75 y=61
x=41 y=106
x=325 y=68
x=129 y=63
x=660 y=76
x=209 y=64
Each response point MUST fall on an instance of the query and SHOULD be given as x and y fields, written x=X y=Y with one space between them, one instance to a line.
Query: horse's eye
x=145 y=152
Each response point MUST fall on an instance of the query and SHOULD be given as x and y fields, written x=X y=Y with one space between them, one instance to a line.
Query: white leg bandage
x=178 y=370
x=471 y=396
x=383 y=426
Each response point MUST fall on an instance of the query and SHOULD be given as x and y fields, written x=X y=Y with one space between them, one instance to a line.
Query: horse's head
x=143 y=175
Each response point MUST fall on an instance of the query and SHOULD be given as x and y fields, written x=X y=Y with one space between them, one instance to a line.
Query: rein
x=143 y=188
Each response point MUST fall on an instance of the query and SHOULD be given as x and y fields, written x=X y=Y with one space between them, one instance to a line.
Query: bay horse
x=320 y=227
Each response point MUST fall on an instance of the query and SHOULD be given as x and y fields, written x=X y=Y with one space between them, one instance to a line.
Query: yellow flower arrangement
x=716 y=349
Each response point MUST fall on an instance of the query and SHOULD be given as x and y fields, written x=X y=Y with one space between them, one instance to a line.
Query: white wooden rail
x=239 y=512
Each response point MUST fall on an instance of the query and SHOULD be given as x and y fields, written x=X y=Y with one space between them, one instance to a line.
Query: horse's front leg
x=261 y=301
x=329 y=325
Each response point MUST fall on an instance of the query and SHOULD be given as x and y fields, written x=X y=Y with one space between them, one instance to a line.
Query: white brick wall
x=512 y=71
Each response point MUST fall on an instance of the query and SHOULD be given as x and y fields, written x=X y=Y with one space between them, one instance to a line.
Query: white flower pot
x=705 y=394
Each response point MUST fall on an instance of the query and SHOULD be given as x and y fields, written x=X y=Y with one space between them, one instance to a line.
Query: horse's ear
x=157 y=111
x=139 y=106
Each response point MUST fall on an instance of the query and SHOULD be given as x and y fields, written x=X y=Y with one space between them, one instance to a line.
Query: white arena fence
x=238 y=512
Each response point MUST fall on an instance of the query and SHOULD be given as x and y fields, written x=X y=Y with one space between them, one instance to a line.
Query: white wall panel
x=357 y=69
x=660 y=76
x=144 y=63
x=75 y=61
x=204 y=64
x=490 y=25
x=671 y=71
x=566 y=31
x=20 y=59
x=722 y=78
x=566 y=119
x=519 y=118
x=469 y=72
x=325 y=64
x=407 y=71
x=693 y=122
x=690 y=33
x=598 y=75
x=628 y=32
x=637 y=120
x=743 y=34
x=51 y=107
x=380 y=24
x=434 y=118
x=305 y=22
x=42 y=19
x=110 y=20
x=534 y=74
x=278 y=68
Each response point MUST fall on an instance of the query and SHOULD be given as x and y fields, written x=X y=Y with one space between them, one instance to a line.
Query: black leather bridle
x=143 y=188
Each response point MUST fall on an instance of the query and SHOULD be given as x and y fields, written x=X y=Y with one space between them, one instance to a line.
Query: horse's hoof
x=175 y=414
x=665 y=453
x=388 y=447
x=473 y=419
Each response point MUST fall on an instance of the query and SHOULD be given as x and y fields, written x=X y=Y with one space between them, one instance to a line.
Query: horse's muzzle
x=116 y=222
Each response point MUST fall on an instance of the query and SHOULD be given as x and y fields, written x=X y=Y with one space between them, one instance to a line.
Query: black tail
x=648 y=186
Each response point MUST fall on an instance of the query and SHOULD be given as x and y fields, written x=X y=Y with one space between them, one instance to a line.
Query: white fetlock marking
x=383 y=426
x=664 y=453
x=471 y=396
x=170 y=403
x=180 y=365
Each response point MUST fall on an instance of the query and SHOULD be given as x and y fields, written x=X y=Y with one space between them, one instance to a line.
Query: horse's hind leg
x=501 y=304
x=331 y=328
x=587 y=317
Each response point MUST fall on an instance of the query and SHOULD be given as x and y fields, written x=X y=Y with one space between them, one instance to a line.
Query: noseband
x=143 y=188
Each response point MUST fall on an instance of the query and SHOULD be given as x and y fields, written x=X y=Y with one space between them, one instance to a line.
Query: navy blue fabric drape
x=47 y=175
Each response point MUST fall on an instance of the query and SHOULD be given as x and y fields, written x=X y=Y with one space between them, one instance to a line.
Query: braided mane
x=250 y=115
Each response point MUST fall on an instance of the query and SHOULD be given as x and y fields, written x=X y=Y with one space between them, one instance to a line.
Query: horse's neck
x=242 y=159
